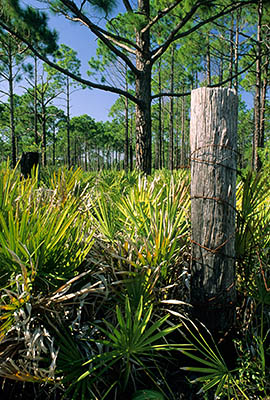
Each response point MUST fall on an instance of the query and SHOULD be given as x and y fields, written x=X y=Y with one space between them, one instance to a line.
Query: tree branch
x=170 y=94
x=156 y=96
x=241 y=33
x=156 y=53
x=127 y=5
x=160 y=15
x=123 y=46
x=103 y=35
x=52 y=97
x=66 y=72
x=225 y=11
x=161 y=49
x=5 y=93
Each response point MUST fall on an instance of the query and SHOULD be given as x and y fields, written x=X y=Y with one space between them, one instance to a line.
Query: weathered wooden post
x=213 y=140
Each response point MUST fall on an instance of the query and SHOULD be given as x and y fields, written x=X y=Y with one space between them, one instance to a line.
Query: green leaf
x=148 y=395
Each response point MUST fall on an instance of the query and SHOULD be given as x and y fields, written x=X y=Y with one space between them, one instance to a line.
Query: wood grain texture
x=213 y=141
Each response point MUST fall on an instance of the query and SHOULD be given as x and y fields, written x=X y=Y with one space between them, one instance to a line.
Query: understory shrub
x=94 y=288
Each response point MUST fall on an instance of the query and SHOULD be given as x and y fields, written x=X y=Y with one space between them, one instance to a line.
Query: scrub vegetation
x=94 y=290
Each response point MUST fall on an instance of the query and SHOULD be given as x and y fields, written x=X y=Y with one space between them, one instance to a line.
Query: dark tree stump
x=28 y=161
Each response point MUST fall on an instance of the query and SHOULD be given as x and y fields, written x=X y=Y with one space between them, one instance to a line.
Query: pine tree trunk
x=143 y=123
x=143 y=94
x=162 y=143
x=257 y=164
x=236 y=49
x=131 y=144
x=231 y=52
x=263 y=102
x=126 y=155
x=68 y=122
x=183 y=152
x=158 y=136
x=98 y=164
x=177 y=138
x=213 y=187
x=44 y=134
x=11 y=108
x=208 y=62
x=160 y=133
x=85 y=155
x=221 y=66
x=171 y=120
x=54 y=142
x=35 y=102
x=75 y=151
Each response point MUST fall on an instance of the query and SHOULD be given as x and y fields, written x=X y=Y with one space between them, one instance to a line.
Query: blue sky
x=93 y=102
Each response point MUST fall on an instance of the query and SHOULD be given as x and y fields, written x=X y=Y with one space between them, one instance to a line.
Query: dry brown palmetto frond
x=29 y=350
x=26 y=348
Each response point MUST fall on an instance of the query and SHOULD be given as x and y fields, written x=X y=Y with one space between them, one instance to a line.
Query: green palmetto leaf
x=113 y=334
x=140 y=325
x=128 y=314
x=210 y=363
x=123 y=325
x=69 y=366
x=148 y=395
x=212 y=366
x=212 y=381
x=133 y=339
x=105 y=214
x=44 y=237
x=154 y=217
x=52 y=231
x=11 y=186
x=253 y=218
x=148 y=340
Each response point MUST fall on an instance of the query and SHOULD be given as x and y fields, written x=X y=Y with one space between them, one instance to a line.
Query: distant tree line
x=152 y=55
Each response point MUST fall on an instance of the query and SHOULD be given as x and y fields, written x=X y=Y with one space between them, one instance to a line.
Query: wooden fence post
x=213 y=140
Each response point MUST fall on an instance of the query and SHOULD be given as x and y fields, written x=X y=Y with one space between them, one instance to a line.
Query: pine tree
x=12 y=59
x=141 y=21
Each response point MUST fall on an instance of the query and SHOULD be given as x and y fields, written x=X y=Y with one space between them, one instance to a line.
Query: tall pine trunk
x=158 y=156
x=257 y=164
x=126 y=148
x=44 y=133
x=131 y=144
x=85 y=154
x=183 y=150
x=54 y=143
x=171 y=120
x=35 y=102
x=236 y=49
x=231 y=52
x=68 y=121
x=208 y=62
x=263 y=102
x=162 y=143
x=11 y=107
x=143 y=94
x=221 y=66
